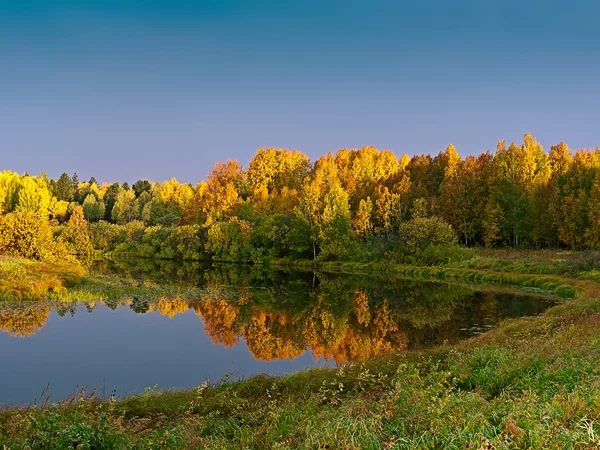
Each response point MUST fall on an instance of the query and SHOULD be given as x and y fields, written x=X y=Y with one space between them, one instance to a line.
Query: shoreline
x=531 y=382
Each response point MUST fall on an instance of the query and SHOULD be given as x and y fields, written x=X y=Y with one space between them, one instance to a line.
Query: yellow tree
x=34 y=196
x=274 y=169
x=517 y=172
x=491 y=224
x=576 y=187
x=593 y=232
x=452 y=205
x=223 y=191
x=335 y=230
x=58 y=209
x=175 y=194
x=547 y=215
x=362 y=223
x=194 y=211
x=308 y=211
x=387 y=210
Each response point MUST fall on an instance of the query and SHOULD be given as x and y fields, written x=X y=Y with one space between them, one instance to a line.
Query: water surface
x=183 y=324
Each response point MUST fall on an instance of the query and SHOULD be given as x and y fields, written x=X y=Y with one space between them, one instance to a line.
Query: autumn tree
x=125 y=208
x=26 y=234
x=576 y=199
x=93 y=209
x=224 y=190
x=274 y=177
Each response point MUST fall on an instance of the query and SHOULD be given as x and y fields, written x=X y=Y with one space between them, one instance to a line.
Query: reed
x=21 y=279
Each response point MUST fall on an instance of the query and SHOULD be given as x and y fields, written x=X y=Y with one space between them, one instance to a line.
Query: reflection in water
x=23 y=319
x=280 y=314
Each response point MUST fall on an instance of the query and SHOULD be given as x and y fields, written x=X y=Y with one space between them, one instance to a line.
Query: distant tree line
x=356 y=203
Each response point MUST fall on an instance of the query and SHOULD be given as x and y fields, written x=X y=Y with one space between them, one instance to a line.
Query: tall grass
x=22 y=279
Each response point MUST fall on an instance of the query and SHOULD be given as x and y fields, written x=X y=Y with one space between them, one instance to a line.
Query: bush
x=229 y=241
x=421 y=232
x=429 y=241
x=26 y=234
x=77 y=242
x=106 y=236
x=435 y=255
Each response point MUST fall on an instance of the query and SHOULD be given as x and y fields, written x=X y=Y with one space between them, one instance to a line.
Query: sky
x=129 y=89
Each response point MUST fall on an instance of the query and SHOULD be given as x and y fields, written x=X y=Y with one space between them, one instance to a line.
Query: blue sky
x=139 y=89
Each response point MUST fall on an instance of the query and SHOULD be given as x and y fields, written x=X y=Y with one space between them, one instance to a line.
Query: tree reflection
x=270 y=336
x=282 y=314
x=23 y=319
x=172 y=307
x=219 y=317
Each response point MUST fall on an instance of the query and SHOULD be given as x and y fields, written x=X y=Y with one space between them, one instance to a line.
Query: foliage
x=229 y=241
x=356 y=204
x=22 y=279
x=26 y=234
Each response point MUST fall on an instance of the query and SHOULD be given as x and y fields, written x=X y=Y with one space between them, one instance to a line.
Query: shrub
x=105 y=236
x=26 y=234
x=229 y=241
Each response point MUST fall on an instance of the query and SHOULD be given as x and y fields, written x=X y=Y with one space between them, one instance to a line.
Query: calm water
x=182 y=324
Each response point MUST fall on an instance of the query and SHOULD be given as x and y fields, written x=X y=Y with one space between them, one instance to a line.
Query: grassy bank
x=22 y=279
x=562 y=285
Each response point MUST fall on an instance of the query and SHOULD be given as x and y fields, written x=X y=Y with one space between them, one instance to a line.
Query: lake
x=170 y=325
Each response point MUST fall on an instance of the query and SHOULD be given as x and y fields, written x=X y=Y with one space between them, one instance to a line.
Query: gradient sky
x=126 y=89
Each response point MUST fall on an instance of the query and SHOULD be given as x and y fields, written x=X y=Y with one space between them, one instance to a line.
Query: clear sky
x=128 y=89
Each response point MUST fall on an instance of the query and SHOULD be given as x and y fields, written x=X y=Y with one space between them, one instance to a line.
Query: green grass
x=111 y=287
x=530 y=383
x=561 y=285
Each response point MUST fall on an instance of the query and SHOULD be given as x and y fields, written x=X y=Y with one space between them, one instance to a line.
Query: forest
x=357 y=204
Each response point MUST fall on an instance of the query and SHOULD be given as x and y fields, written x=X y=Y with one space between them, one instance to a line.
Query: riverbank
x=562 y=286
x=531 y=383
x=22 y=279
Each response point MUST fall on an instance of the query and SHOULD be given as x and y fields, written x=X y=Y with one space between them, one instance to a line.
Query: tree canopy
x=344 y=204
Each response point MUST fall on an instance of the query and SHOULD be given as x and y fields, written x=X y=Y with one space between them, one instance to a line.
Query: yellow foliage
x=219 y=318
x=23 y=319
x=172 y=307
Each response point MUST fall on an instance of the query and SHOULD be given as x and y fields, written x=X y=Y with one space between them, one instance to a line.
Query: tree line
x=357 y=203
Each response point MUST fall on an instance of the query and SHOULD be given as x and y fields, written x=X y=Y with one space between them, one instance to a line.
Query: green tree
x=126 y=208
x=93 y=209
x=229 y=241
x=110 y=198
x=63 y=188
